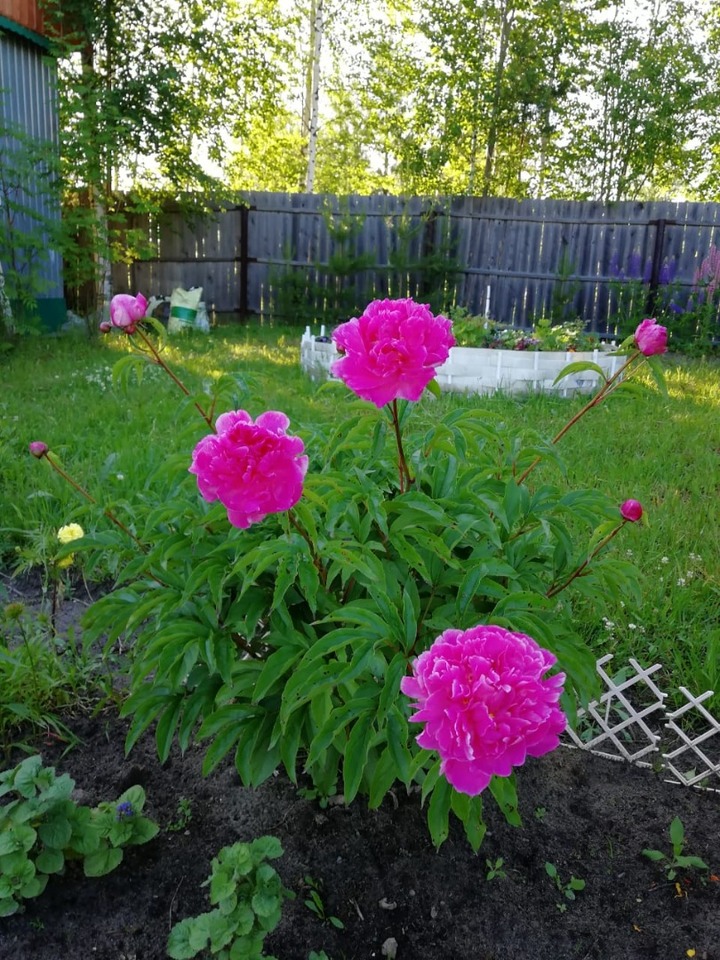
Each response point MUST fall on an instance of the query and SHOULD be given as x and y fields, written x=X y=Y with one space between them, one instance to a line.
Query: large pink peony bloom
x=651 y=338
x=485 y=704
x=392 y=350
x=253 y=468
x=126 y=311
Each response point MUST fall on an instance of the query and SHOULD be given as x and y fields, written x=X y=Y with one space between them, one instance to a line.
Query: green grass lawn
x=663 y=452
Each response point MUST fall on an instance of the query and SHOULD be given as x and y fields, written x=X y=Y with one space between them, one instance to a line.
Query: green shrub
x=41 y=828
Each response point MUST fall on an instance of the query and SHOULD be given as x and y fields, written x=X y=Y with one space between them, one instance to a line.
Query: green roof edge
x=11 y=27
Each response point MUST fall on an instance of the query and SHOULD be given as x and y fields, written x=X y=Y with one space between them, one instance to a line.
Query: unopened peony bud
x=105 y=326
x=38 y=449
x=126 y=311
x=651 y=338
x=631 y=510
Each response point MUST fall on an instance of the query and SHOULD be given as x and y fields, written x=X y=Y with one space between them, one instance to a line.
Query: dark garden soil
x=379 y=872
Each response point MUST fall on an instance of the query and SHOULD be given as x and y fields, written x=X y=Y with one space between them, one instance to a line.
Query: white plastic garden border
x=478 y=370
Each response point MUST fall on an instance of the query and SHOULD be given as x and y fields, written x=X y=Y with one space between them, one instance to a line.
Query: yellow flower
x=66 y=534
x=70 y=532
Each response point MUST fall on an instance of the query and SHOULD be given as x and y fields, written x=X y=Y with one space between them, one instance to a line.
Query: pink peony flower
x=651 y=338
x=126 y=311
x=485 y=704
x=392 y=350
x=38 y=449
x=253 y=468
x=631 y=510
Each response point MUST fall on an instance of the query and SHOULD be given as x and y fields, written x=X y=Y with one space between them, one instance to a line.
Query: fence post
x=657 y=257
x=244 y=261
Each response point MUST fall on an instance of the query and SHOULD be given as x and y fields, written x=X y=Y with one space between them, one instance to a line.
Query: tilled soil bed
x=379 y=872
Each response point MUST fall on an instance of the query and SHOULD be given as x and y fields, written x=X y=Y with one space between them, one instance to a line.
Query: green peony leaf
x=439 y=811
x=355 y=756
x=580 y=366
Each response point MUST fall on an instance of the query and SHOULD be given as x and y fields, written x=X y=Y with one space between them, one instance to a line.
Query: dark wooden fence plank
x=514 y=248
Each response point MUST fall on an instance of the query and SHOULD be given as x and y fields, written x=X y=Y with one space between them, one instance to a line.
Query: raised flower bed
x=483 y=370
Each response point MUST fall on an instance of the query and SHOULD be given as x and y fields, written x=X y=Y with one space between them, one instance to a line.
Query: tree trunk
x=508 y=15
x=312 y=97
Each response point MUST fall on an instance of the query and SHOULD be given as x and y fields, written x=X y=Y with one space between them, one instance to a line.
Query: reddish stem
x=88 y=496
x=406 y=480
x=207 y=417
x=553 y=591
x=322 y=572
x=593 y=402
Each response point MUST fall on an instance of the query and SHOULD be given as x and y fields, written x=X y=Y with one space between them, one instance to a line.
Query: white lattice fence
x=631 y=722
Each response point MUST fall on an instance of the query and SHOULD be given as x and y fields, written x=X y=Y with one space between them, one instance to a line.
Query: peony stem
x=553 y=591
x=322 y=572
x=593 y=402
x=600 y=395
x=207 y=417
x=405 y=479
x=88 y=496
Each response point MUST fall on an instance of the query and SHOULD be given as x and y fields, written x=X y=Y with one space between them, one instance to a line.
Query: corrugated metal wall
x=27 y=100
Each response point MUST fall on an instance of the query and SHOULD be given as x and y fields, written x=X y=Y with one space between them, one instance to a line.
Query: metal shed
x=28 y=115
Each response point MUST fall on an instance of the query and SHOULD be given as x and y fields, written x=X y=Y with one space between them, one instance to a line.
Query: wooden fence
x=298 y=257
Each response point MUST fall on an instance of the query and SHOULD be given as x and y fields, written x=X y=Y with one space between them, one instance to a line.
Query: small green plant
x=315 y=903
x=495 y=869
x=26 y=234
x=183 y=816
x=568 y=889
x=565 y=289
x=248 y=896
x=678 y=860
x=473 y=331
x=40 y=674
x=539 y=813
x=41 y=828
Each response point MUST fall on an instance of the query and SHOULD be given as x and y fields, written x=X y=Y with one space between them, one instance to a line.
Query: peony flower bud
x=105 y=326
x=38 y=449
x=392 y=350
x=126 y=311
x=486 y=703
x=651 y=338
x=631 y=510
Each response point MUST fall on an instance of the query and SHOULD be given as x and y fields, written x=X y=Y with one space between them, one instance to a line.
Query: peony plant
x=390 y=600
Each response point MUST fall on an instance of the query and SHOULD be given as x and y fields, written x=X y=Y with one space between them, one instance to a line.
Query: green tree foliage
x=147 y=91
x=29 y=200
x=505 y=97
x=154 y=81
x=642 y=130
